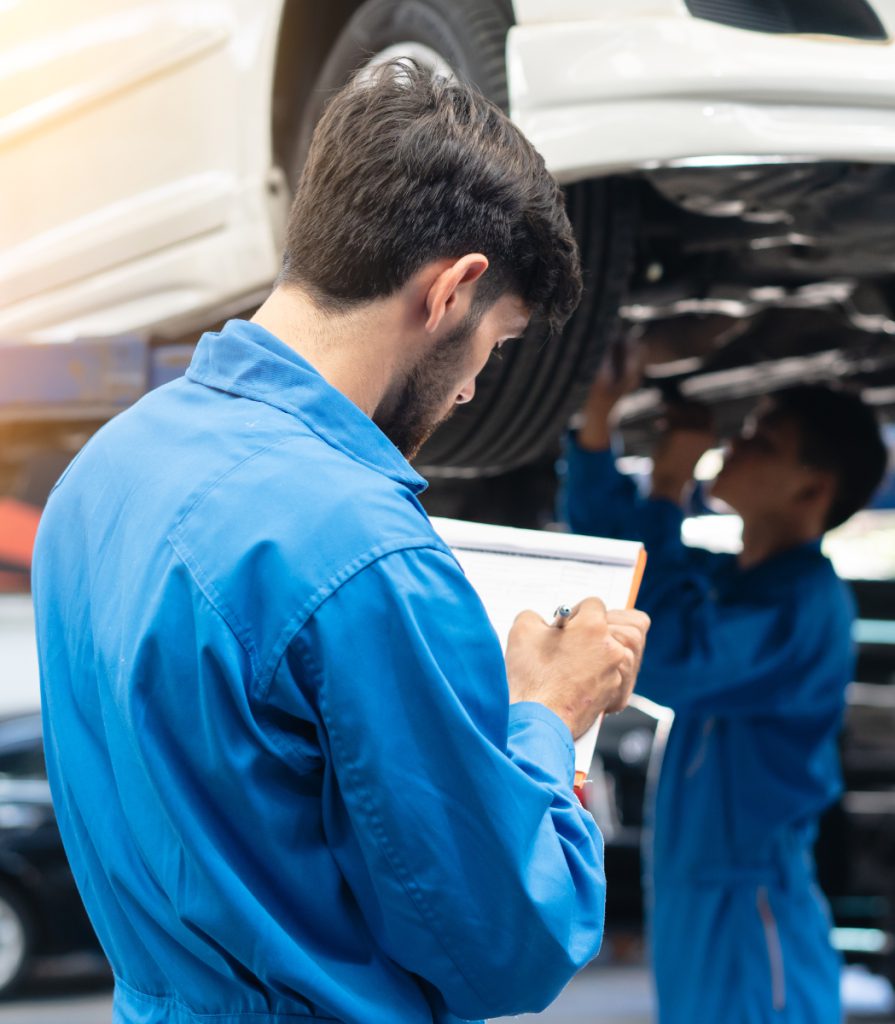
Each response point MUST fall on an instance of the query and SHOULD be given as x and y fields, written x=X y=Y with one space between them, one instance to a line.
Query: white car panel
x=179 y=283
x=136 y=153
x=128 y=131
x=118 y=232
x=18 y=655
x=602 y=96
x=528 y=12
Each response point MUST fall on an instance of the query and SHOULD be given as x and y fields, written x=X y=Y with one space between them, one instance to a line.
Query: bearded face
x=419 y=403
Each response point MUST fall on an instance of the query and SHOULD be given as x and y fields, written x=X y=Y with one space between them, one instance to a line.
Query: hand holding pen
x=582 y=665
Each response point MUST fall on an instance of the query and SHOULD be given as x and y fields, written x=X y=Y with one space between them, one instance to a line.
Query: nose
x=467 y=393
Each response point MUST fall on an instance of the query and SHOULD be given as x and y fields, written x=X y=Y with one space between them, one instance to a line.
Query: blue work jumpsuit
x=277 y=725
x=755 y=664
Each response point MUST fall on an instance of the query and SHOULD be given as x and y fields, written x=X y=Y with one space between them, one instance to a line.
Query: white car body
x=136 y=162
x=18 y=656
x=622 y=84
x=140 y=189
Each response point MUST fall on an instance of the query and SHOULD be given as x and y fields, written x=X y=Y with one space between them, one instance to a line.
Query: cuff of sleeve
x=541 y=739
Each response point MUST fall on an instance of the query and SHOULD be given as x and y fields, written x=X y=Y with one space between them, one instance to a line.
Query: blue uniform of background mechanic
x=278 y=724
x=753 y=654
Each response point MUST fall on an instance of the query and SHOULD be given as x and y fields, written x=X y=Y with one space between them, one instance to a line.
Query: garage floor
x=78 y=992
x=598 y=996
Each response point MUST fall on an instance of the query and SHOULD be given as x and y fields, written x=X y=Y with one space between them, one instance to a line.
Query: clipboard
x=513 y=569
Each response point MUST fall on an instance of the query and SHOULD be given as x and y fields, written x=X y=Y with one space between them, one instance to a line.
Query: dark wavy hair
x=406 y=167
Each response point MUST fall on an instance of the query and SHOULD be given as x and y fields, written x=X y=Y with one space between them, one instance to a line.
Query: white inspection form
x=514 y=570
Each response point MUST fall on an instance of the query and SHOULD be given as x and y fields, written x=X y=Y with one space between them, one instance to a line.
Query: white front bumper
x=619 y=93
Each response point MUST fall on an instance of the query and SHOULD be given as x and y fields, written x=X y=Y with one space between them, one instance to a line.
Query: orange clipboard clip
x=590 y=737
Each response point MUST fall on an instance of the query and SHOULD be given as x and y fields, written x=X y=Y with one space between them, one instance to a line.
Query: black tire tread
x=524 y=401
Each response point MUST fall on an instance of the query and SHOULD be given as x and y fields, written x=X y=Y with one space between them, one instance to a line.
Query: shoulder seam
x=194 y=500
x=348 y=572
x=218 y=605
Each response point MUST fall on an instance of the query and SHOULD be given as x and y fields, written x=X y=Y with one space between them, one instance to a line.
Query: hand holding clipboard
x=514 y=569
x=586 y=743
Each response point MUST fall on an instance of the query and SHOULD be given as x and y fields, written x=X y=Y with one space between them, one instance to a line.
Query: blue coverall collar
x=247 y=360
x=809 y=550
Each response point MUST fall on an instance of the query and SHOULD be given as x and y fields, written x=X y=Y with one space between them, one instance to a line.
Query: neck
x=355 y=352
x=763 y=539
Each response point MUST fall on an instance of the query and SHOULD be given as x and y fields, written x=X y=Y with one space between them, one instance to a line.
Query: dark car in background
x=41 y=913
x=856 y=849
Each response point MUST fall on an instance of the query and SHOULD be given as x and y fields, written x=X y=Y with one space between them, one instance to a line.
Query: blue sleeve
x=596 y=499
x=718 y=657
x=763 y=656
x=471 y=859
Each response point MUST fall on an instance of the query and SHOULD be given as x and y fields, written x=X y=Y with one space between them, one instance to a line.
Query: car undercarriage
x=749 y=278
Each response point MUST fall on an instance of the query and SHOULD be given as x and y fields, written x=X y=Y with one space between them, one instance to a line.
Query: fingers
x=628 y=629
x=620 y=664
x=529 y=618
x=589 y=613
x=630 y=638
x=592 y=609
x=629 y=617
x=588 y=666
x=527 y=621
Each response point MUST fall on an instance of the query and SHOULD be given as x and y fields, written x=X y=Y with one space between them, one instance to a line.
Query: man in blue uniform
x=753 y=653
x=278 y=724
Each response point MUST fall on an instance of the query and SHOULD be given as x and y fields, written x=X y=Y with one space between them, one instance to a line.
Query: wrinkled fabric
x=277 y=725
x=754 y=663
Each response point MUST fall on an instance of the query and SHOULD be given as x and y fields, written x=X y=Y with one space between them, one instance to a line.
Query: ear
x=443 y=293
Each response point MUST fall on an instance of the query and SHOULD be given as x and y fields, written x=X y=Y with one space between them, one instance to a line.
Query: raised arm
x=597 y=499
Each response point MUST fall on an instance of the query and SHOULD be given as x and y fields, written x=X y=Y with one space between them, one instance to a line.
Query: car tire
x=524 y=401
x=16 y=939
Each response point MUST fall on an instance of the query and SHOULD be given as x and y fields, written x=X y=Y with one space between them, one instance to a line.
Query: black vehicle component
x=854 y=19
x=524 y=401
